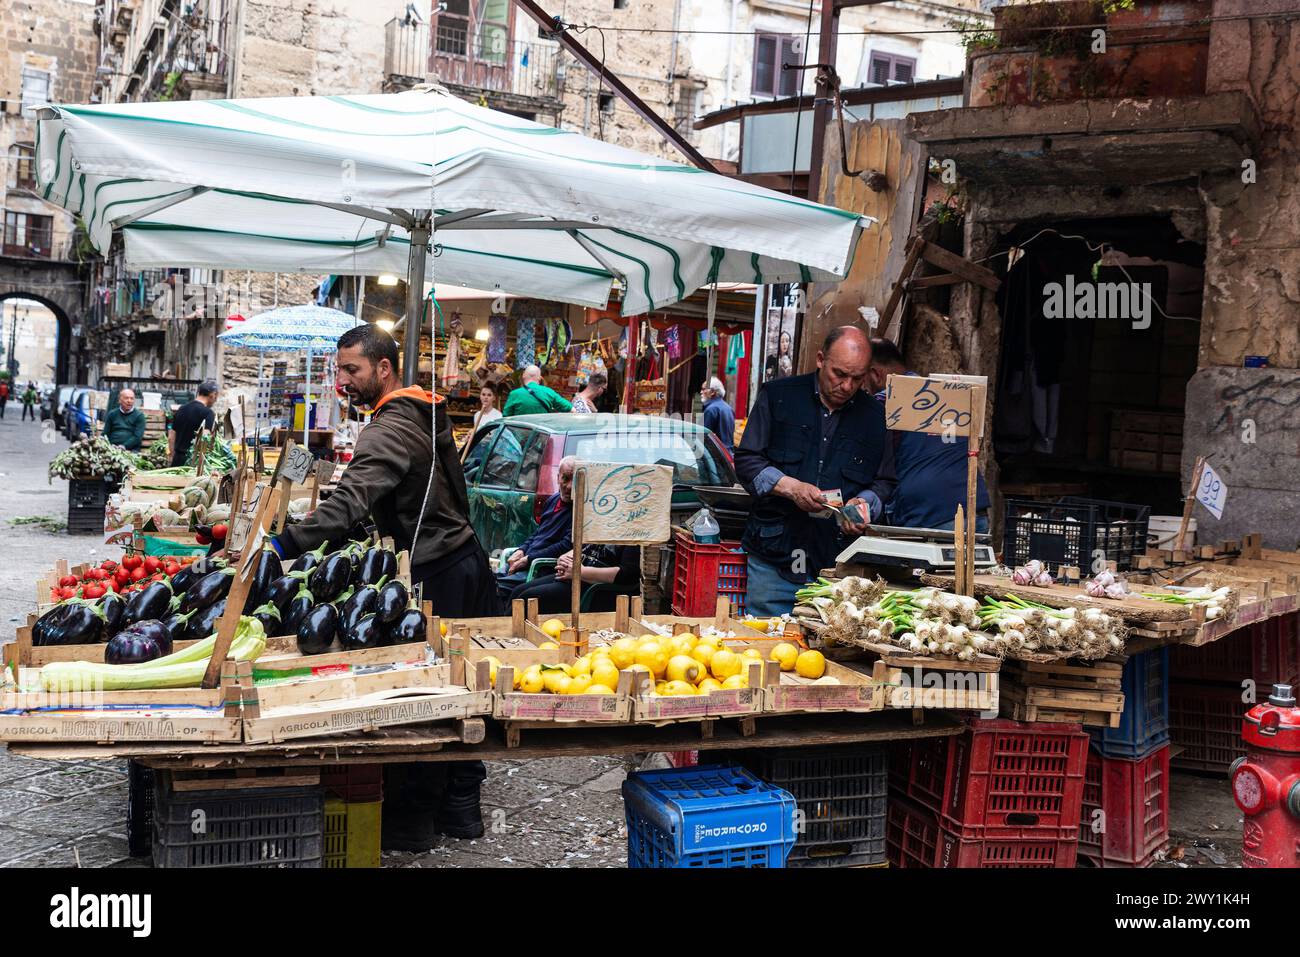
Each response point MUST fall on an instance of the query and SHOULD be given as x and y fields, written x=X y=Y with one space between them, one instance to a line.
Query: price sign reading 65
x=627 y=504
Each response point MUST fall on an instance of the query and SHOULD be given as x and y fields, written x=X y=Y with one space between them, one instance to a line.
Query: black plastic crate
x=257 y=827
x=86 y=501
x=139 y=809
x=842 y=794
x=1071 y=531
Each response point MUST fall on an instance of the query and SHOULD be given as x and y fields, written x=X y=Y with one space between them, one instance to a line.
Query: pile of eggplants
x=349 y=597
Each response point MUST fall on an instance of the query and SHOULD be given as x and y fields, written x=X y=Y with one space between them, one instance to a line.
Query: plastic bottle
x=705 y=530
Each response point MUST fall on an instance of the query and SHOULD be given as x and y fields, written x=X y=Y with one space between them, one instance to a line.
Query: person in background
x=533 y=397
x=931 y=469
x=488 y=411
x=187 y=421
x=808 y=435
x=4 y=396
x=585 y=401
x=718 y=415
x=616 y=564
x=125 y=424
x=29 y=401
x=552 y=537
x=389 y=481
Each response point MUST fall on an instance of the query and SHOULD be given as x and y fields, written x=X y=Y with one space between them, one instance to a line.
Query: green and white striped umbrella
x=335 y=184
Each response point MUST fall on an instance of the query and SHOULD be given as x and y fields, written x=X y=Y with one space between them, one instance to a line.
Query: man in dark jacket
x=124 y=425
x=718 y=415
x=389 y=480
x=806 y=436
x=552 y=537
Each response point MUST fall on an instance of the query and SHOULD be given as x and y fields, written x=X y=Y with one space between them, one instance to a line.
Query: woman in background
x=487 y=397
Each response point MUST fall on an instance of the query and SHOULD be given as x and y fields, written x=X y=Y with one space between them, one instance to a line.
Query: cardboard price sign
x=296 y=464
x=1210 y=490
x=627 y=504
x=936 y=405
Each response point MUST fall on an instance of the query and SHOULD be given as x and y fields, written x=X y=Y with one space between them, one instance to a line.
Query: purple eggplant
x=392 y=602
x=137 y=642
x=113 y=607
x=269 y=617
x=411 y=626
x=269 y=568
x=295 y=610
x=194 y=571
x=205 y=622
x=364 y=601
x=280 y=591
x=73 y=622
x=331 y=576
x=309 y=560
x=369 y=632
x=148 y=604
x=178 y=625
x=317 y=630
x=207 y=590
x=378 y=564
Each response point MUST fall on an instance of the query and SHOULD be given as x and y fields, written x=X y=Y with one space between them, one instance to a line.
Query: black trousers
x=459 y=586
x=555 y=596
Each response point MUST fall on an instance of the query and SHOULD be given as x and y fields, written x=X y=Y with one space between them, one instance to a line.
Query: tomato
x=108 y=565
x=138 y=574
x=202 y=539
x=116 y=585
x=171 y=568
x=122 y=576
x=151 y=564
x=67 y=592
x=132 y=562
x=188 y=560
x=93 y=591
x=219 y=532
x=67 y=581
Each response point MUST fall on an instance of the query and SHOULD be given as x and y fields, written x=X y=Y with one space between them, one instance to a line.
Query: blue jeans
x=766 y=592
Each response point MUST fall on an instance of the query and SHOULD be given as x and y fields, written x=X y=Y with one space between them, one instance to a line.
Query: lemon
x=581 y=667
x=601 y=652
x=623 y=652
x=708 y=685
x=518 y=682
x=713 y=641
x=684 y=668
x=752 y=653
x=785 y=654
x=703 y=653
x=681 y=644
x=653 y=657
x=549 y=646
x=810 y=664
x=642 y=639
x=736 y=681
x=552 y=677
x=661 y=687
x=532 y=682
x=604 y=672
x=578 y=685
x=724 y=664
x=562 y=684
x=599 y=689
x=678 y=688
x=553 y=627
x=442 y=628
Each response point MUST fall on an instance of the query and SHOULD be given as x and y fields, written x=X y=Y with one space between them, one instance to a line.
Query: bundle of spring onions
x=927 y=621
x=1219 y=602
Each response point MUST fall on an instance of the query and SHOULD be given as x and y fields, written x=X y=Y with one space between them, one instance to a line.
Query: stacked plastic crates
x=709 y=816
x=703 y=572
x=1209 y=684
x=1001 y=794
x=1125 y=815
x=354 y=795
x=842 y=796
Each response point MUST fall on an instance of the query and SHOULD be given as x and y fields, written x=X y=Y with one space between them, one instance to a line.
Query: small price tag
x=1210 y=491
x=298 y=463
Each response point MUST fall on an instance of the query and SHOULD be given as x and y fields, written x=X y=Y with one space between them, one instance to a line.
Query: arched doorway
x=61 y=361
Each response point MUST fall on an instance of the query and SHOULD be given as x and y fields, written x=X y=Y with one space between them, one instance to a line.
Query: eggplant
x=269 y=617
x=392 y=602
x=193 y=572
x=113 y=608
x=369 y=632
x=74 y=622
x=178 y=625
x=148 y=604
x=280 y=591
x=316 y=633
x=207 y=590
x=411 y=626
x=269 y=568
x=363 y=602
x=331 y=576
x=372 y=566
x=137 y=642
x=309 y=560
x=296 y=610
x=205 y=622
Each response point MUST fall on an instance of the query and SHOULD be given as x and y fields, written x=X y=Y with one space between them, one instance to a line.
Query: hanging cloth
x=451 y=367
x=735 y=352
x=496 y=348
x=525 y=341
x=673 y=342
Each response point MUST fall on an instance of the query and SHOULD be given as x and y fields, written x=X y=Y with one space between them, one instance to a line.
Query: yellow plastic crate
x=352 y=833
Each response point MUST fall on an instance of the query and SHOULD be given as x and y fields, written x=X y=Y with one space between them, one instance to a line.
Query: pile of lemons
x=683 y=664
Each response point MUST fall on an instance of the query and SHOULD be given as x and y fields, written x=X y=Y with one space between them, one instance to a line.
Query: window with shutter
x=35 y=90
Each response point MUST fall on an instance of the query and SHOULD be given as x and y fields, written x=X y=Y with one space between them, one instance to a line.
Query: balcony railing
x=192 y=46
x=481 y=61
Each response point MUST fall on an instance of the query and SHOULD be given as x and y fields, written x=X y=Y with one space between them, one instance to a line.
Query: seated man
x=552 y=537
x=616 y=564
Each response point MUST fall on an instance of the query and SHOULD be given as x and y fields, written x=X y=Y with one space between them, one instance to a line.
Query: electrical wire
x=600 y=76
x=798 y=115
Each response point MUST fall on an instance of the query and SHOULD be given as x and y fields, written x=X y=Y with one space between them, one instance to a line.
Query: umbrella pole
x=306 y=410
x=420 y=235
x=261 y=378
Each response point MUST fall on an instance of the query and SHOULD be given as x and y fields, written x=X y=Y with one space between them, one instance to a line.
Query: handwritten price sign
x=1211 y=492
x=627 y=504
x=298 y=463
x=934 y=405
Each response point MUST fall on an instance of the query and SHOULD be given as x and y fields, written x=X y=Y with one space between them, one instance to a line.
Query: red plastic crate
x=683 y=759
x=915 y=838
x=1133 y=798
x=999 y=779
x=1205 y=721
x=353 y=783
x=703 y=572
x=1267 y=651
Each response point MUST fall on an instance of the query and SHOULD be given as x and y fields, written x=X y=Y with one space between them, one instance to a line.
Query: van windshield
x=694 y=459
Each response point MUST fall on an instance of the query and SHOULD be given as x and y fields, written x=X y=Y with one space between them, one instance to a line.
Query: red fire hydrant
x=1266 y=782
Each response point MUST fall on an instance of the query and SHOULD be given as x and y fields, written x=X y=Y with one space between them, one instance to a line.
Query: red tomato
x=108 y=565
x=171 y=568
x=151 y=564
x=116 y=585
x=138 y=574
x=202 y=539
x=67 y=581
x=93 y=591
x=219 y=532
x=122 y=576
x=132 y=562
x=67 y=592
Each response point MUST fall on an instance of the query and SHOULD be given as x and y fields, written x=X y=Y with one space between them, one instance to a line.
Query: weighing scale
x=920 y=549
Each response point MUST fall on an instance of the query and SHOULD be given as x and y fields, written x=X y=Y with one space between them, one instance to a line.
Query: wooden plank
x=238 y=594
x=915 y=245
x=936 y=255
x=366 y=713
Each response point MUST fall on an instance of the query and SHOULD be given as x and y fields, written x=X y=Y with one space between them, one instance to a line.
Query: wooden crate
x=367 y=712
x=1087 y=692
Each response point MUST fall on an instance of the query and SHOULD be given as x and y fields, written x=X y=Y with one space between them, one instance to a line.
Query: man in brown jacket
x=420 y=500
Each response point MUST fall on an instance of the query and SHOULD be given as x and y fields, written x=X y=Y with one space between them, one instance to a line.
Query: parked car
x=77 y=413
x=512 y=465
x=56 y=402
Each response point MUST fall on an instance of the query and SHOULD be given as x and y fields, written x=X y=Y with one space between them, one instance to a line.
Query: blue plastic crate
x=711 y=816
x=1144 y=724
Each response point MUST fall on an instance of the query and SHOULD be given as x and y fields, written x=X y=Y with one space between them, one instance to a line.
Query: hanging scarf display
x=451 y=367
x=735 y=352
x=673 y=341
x=525 y=341
x=496 y=347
